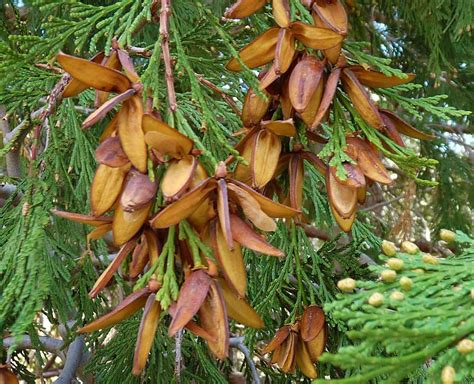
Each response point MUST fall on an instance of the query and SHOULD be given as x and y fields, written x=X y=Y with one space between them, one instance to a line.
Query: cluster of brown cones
x=224 y=213
x=226 y=210
x=297 y=89
x=300 y=344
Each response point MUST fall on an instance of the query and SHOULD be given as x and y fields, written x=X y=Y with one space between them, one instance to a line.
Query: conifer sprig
x=420 y=309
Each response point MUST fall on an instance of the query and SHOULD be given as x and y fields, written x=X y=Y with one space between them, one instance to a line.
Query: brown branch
x=50 y=363
x=460 y=142
x=453 y=128
x=382 y=204
x=53 y=99
x=164 y=33
x=316 y=233
x=50 y=68
x=42 y=114
x=78 y=108
x=137 y=51
x=227 y=98
x=49 y=374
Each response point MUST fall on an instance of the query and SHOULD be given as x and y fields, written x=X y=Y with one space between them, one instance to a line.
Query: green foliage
x=382 y=64
x=304 y=277
x=453 y=173
x=120 y=350
x=85 y=25
x=49 y=268
x=24 y=279
x=427 y=104
x=199 y=366
x=393 y=340
x=440 y=30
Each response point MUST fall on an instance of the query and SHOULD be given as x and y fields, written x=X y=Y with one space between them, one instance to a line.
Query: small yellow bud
x=346 y=285
x=447 y=235
x=25 y=209
x=472 y=293
x=448 y=374
x=465 y=346
x=397 y=296
x=418 y=270
x=389 y=248
x=376 y=299
x=409 y=247
x=406 y=283
x=395 y=264
x=388 y=275
x=429 y=259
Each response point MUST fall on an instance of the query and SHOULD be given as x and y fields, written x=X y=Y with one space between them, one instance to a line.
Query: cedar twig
x=21 y=129
x=73 y=361
x=49 y=67
x=7 y=190
x=365 y=259
x=49 y=374
x=13 y=156
x=53 y=99
x=314 y=232
x=453 y=128
x=164 y=33
x=238 y=342
x=228 y=99
x=178 y=357
x=78 y=108
x=83 y=110
x=382 y=204
x=138 y=51
x=48 y=344
x=49 y=363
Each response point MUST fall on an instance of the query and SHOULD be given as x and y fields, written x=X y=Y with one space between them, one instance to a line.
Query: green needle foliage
x=423 y=316
x=47 y=267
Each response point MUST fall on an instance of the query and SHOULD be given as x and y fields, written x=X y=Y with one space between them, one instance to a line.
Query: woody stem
x=227 y=98
x=164 y=33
